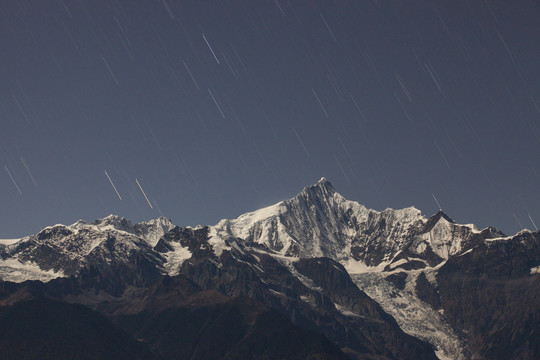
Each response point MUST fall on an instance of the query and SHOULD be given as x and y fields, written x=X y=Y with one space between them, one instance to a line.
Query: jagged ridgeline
x=313 y=277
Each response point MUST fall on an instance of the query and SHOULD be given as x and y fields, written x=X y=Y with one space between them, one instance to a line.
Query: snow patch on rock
x=6 y=242
x=16 y=271
x=176 y=258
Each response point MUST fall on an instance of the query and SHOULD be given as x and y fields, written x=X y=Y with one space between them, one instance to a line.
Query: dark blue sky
x=222 y=107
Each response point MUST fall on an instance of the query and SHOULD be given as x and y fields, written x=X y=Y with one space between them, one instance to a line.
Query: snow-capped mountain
x=63 y=251
x=320 y=222
x=313 y=258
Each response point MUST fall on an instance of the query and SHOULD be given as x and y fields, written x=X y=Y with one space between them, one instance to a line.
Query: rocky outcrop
x=427 y=292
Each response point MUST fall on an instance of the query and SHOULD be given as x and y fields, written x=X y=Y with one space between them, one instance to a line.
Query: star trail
x=223 y=107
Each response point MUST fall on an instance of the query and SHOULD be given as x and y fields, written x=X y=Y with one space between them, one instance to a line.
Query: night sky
x=216 y=108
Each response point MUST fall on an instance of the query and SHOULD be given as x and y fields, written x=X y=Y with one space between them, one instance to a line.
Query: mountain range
x=313 y=277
